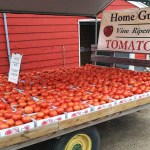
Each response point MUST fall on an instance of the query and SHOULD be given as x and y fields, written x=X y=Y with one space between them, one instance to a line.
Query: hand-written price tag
x=14 y=68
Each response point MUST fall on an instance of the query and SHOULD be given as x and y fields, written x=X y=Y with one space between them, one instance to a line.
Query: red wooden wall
x=41 y=39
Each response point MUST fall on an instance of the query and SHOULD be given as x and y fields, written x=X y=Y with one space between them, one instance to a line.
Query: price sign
x=14 y=68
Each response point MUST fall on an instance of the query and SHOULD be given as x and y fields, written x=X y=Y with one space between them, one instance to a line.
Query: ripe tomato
x=46 y=111
x=18 y=122
x=76 y=99
x=1 y=114
x=16 y=116
x=86 y=105
x=56 y=104
x=28 y=110
x=53 y=113
x=2 y=105
x=2 y=118
x=22 y=104
x=69 y=109
x=64 y=105
x=37 y=109
x=70 y=104
x=40 y=114
x=10 y=122
x=102 y=102
x=8 y=115
x=44 y=104
x=4 y=126
x=26 y=119
x=96 y=103
x=82 y=106
x=45 y=117
x=76 y=107
x=34 y=116
x=60 y=110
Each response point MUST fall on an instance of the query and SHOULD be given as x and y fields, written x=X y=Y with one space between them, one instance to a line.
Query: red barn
x=50 y=41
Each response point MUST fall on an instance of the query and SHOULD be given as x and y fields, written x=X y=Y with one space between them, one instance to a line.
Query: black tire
x=60 y=144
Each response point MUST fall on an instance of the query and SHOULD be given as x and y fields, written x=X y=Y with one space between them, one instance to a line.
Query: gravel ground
x=131 y=132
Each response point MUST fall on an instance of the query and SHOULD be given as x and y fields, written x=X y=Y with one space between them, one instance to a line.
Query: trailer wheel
x=86 y=139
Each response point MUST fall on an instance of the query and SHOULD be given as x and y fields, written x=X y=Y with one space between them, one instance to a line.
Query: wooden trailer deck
x=50 y=131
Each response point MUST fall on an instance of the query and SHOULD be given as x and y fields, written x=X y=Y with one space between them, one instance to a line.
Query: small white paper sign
x=14 y=68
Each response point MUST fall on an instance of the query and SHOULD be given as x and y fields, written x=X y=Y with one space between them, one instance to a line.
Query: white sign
x=14 y=68
x=125 y=31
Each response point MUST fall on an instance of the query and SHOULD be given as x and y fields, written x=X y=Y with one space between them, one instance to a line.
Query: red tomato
x=40 y=114
x=28 y=110
x=69 y=109
x=4 y=126
x=76 y=107
x=102 y=102
x=53 y=113
x=82 y=106
x=2 y=105
x=22 y=104
x=56 y=103
x=45 y=117
x=39 y=118
x=18 y=122
x=44 y=104
x=37 y=109
x=64 y=105
x=8 y=115
x=26 y=119
x=31 y=102
x=70 y=104
x=76 y=99
x=16 y=117
x=86 y=105
x=2 y=118
x=10 y=122
x=60 y=110
x=1 y=114
x=96 y=103
x=46 y=111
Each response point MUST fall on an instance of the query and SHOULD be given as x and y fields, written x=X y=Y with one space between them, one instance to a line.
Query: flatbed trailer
x=78 y=124
x=61 y=128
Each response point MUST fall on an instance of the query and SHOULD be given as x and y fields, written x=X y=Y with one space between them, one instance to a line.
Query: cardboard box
x=138 y=96
x=104 y=106
x=26 y=127
x=17 y=129
x=50 y=120
x=85 y=111
x=125 y=100
x=9 y=131
x=73 y=114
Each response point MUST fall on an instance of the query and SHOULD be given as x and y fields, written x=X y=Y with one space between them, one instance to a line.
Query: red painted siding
x=3 y=52
x=41 y=39
x=140 y=56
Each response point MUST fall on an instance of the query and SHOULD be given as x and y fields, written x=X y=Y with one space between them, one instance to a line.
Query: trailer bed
x=50 y=131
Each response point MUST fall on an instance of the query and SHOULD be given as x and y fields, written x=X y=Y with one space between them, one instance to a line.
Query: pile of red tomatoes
x=52 y=92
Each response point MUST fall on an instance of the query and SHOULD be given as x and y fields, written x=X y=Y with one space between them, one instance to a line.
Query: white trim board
x=138 y=4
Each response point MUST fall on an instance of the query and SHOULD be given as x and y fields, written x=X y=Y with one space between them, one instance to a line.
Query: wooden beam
x=125 y=61
x=28 y=135
x=93 y=47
